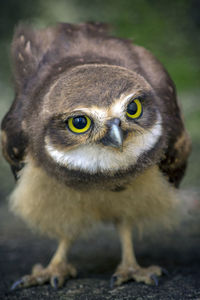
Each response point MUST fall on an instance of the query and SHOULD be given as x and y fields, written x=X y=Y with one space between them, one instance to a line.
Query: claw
x=16 y=284
x=112 y=281
x=165 y=272
x=155 y=279
x=54 y=282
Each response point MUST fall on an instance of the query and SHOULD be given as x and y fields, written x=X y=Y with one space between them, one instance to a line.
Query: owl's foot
x=55 y=274
x=147 y=275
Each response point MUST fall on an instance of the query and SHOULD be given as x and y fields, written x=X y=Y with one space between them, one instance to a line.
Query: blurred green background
x=170 y=29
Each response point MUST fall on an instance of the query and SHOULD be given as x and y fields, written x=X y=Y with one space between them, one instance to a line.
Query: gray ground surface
x=96 y=259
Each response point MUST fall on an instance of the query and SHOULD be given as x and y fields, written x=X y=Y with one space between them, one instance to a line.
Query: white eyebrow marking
x=97 y=112
x=118 y=107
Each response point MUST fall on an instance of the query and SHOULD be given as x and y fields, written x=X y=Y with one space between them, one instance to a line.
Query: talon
x=155 y=279
x=16 y=284
x=165 y=272
x=54 y=282
x=113 y=280
x=55 y=274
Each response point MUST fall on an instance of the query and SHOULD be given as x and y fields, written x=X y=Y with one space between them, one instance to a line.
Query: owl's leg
x=55 y=273
x=129 y=268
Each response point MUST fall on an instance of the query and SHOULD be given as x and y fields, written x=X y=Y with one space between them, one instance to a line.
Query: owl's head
x=96 y=119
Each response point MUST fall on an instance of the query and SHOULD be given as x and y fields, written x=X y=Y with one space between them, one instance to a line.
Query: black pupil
x=132 y=108
x=79 y=122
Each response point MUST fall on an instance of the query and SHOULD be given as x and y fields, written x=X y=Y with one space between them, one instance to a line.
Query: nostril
x=115 y=121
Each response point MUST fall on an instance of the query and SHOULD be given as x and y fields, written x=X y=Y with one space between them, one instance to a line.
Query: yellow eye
x=79 y=124
x=134 y=109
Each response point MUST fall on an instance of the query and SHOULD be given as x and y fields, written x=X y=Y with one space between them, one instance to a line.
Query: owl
x=94 y=135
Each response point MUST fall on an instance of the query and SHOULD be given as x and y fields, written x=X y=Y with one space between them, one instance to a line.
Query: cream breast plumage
x=94 y=134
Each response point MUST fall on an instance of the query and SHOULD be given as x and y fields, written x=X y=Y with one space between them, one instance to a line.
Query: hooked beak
x=114 y=137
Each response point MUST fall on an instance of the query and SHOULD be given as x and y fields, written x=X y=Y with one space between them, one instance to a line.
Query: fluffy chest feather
x=59 y=210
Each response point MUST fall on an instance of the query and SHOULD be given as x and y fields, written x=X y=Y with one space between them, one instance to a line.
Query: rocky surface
x=96 y=258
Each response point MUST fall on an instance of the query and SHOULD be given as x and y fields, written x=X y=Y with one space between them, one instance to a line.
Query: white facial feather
x=95 y=157
x=118 y=107
x=97 y=112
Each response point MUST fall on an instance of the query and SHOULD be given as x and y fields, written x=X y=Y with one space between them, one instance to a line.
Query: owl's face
x=97 y=119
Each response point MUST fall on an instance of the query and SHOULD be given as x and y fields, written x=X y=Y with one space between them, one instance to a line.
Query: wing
x=28 y=49
x=175 y=160
x=13 y=139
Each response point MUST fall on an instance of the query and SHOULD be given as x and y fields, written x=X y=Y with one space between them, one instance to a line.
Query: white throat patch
x=95 y=157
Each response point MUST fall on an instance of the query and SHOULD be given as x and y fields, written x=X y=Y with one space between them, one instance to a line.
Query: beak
x=114 y=137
